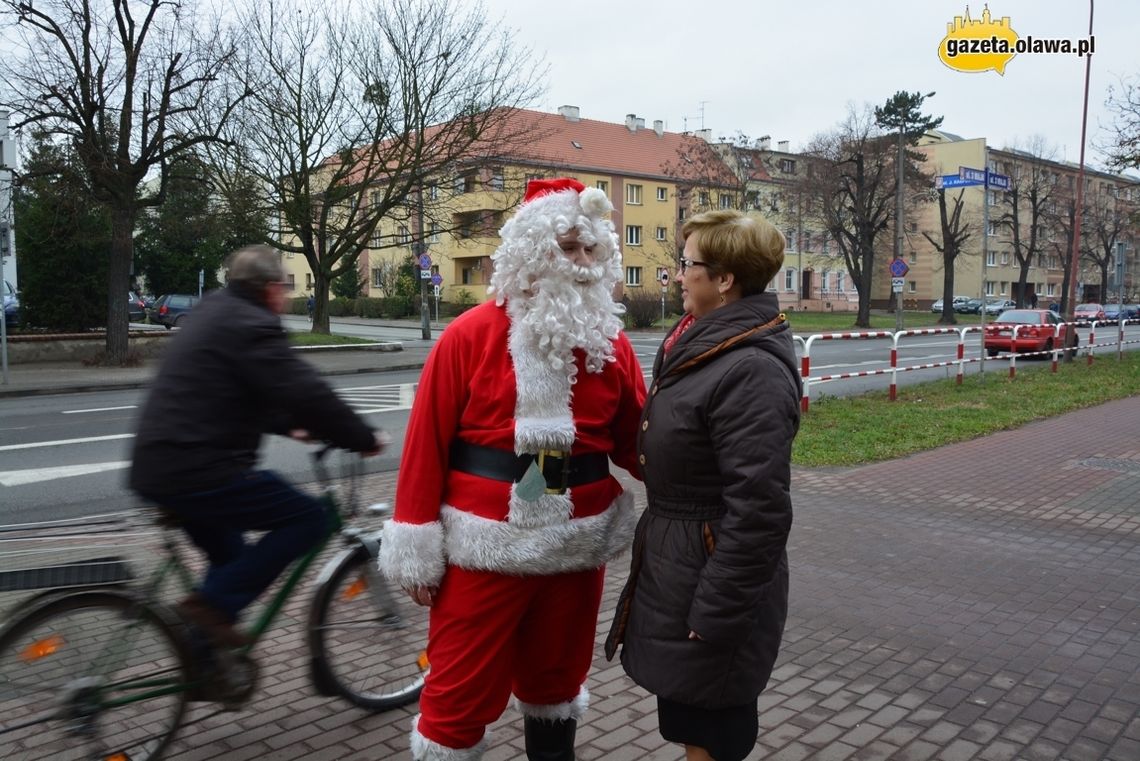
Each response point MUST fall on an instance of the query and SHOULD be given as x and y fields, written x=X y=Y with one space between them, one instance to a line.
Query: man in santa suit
x=506 y=511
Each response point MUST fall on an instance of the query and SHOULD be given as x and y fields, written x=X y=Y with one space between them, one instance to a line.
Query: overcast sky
x=790 y=69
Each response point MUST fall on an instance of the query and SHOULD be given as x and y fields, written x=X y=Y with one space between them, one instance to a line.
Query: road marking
x=36 y=475
x=65 y=442
x=100 y=409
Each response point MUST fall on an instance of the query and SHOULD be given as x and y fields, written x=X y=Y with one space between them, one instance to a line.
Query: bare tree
x=371 y=116
x=1024 y=208
x=1105 y=223
x=954 y=232
x=1122 y=149
x=118 y=81
x=852 y=190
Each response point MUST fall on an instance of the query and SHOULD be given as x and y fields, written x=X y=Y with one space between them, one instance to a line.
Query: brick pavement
x=979 y=601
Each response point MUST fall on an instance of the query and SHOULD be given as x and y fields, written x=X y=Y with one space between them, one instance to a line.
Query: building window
x=633 y=276
x=465 y=183
x=913 y=257
x=290 y=283
x=433 y=192
x=838 y=277
x=681 y=214
x=1004 y=287
x=790 y=237
x=1052 y=290
x=496 y=181
x=433 y=233
x=703 y=198
x=787 y=166
x=603 y=185
x=662 y=194
x=823 y=278
x=375 y=241
x=633 y=235
x=727 y=201
x=991 y=258
x=661 y=233
x=404 y=236
x=633 y=195
x=377 y=277
x=308 y=280
x=789 y=279
x=989 y=288
x=992 y=228
x=1004 y=259
x=912 y=286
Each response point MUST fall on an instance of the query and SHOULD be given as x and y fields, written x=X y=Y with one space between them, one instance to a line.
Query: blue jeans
x=259 y=500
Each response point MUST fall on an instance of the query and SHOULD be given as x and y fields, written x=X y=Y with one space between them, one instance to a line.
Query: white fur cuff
x=424 y=749
x=411 y=554
x=571 y=709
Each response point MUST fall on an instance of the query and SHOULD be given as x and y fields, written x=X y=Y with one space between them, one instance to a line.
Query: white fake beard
x=570 y=307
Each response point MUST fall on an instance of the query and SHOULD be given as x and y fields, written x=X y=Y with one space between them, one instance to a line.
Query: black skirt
x=728 y=734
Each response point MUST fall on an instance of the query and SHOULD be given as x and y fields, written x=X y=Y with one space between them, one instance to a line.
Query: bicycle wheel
x=366 y=644
x=91 y=675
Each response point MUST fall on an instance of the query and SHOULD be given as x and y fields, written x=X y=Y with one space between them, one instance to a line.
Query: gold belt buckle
x=562 y=455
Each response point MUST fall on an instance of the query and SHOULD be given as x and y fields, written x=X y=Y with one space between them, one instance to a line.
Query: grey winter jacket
x=709 y=552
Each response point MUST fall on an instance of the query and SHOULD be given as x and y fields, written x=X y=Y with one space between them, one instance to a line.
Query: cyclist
x=228 y=377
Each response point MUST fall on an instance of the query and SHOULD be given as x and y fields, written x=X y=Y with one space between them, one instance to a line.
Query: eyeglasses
x=684 y=264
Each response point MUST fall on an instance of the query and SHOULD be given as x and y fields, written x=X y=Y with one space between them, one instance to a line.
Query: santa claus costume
x=505 y=507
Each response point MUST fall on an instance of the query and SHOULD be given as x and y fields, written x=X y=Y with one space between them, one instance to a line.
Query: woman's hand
x=422 y=595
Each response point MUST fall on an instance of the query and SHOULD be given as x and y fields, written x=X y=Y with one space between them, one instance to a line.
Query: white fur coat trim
x=411 y=554
x=481 y=544
x=571 y=709
x=547 y=510
x=424 y=749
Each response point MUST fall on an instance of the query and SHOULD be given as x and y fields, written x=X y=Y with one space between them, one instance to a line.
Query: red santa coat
x=470 y=389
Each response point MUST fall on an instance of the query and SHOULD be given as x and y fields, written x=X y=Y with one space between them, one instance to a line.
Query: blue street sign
x=998 y=181
x=425 y=262
x=977 y=176
x=436 y=279
x=947 y=181
x=899 y=268
x=969 y=176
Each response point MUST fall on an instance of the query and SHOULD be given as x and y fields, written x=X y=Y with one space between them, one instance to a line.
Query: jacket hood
x=753 y=321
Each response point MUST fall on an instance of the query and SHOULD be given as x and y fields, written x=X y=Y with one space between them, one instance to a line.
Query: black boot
x=549 y=740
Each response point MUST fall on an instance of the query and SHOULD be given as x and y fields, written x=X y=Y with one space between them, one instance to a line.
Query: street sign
x=977 y=176
x=436 y=289
x=947 y=181
x=436 y=280
x=897 y=284
x=663 y=276
x=899 y=268
x=425 y=274
x=998 y=181
x=425 y=262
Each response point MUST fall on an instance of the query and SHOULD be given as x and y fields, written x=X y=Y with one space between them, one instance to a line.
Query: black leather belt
x=560 y=469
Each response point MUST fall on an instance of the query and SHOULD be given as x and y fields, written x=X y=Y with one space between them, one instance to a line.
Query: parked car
x=1116 y=311
x=937 y=305
x=969 y=306
x=1086 y=313
x=1038 y=333
x=997 y=306
x=136 y=307
x=172 y=309
x=11 y=305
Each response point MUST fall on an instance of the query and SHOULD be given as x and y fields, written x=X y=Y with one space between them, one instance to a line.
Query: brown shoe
x=195 y=610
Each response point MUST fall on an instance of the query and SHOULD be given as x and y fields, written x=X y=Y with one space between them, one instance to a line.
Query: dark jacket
x=228 y=377
x=709 y=553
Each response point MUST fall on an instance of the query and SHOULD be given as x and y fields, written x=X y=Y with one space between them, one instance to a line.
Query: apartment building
x=653 y=178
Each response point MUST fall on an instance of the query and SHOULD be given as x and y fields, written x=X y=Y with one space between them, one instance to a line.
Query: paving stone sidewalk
x=979 y=601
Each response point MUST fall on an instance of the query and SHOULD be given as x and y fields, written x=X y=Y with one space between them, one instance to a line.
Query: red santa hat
x=540 y=187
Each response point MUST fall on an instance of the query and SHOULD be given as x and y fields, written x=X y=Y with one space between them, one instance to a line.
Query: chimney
x=631 y=121
x=782 y=146
x=704 y=134
x=569 y=113
x=659 y=127
x=764 y=142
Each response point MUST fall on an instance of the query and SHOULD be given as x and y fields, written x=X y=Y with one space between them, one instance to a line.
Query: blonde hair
x=747 y=246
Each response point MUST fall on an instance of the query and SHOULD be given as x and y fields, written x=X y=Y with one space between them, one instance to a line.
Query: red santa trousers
x=492 y=634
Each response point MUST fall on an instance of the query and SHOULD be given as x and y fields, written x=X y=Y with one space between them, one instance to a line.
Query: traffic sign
x=425 y=262
x=977 y=176
x=663 y=276
x=436 y=279
x=425 y=274
x=899 y=268
x=970 y=176
x=998 y=181
x=897 y=284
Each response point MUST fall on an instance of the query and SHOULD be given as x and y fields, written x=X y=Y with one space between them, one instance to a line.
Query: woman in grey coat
x=701 y=617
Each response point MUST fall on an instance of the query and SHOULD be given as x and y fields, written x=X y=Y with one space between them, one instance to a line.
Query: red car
x=1038 y=331
x=1088 y=312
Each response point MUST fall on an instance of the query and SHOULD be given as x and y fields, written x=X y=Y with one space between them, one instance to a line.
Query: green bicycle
x=106 y=673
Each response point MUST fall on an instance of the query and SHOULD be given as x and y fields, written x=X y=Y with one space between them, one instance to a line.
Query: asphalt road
x=65 y=455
